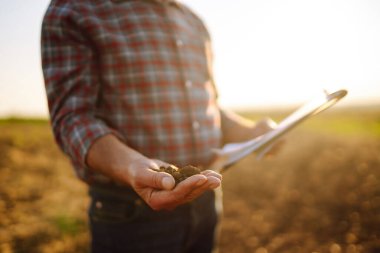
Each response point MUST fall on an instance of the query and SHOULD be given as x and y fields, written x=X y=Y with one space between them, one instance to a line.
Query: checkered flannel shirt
x=137 y=69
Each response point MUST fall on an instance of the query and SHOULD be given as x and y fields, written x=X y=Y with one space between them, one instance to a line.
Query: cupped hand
x=158 y=189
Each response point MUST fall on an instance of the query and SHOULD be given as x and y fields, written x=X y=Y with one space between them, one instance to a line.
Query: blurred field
x=320 y=194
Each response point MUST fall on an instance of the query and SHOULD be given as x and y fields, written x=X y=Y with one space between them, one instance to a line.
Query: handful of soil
x=180 y=174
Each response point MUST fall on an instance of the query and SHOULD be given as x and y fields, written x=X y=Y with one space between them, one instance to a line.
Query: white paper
x=233 y=152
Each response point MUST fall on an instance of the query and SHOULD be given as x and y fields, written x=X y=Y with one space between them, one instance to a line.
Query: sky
x=268 y=53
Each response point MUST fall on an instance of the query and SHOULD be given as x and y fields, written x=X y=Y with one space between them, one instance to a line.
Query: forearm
x=236 y=128
x=111 y=157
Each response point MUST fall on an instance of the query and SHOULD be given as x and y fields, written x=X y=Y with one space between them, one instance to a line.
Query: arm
x=237 y=129
x=70 y=71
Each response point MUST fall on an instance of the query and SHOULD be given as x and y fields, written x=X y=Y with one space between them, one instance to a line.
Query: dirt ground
x=321 y=193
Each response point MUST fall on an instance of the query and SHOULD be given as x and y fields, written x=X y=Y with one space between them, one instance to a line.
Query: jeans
x=121 y=222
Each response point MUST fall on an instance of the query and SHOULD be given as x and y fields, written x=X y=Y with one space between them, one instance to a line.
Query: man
x=130 y=89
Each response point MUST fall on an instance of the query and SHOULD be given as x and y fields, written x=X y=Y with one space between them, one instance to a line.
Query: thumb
x=159 y=180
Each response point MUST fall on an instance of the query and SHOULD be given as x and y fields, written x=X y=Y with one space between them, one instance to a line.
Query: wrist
x=112 y=158
x=129 y=165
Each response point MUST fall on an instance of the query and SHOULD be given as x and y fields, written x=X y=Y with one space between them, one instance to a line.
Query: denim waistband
x=113 y=192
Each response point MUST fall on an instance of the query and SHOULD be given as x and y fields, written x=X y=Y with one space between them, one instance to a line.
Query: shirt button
x=188 y=84
x=179 y=43
x=196 y=125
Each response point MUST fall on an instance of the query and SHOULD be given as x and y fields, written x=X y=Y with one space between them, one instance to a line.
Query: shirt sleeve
x=70 y=69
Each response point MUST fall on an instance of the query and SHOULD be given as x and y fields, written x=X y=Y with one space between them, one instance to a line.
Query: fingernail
x=167 y=183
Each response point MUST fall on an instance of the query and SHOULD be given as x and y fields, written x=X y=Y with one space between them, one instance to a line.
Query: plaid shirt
x=137 y=69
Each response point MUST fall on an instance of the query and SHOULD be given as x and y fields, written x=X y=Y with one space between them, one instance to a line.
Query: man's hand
x=158 y=188
x=263 y=126
x=238 y=129
x=109 y=156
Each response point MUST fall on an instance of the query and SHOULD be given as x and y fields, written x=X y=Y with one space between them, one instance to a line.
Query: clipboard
x=233 y=152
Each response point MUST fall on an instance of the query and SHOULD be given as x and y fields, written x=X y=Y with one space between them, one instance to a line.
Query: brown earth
x=180 y=173
x=321 y=193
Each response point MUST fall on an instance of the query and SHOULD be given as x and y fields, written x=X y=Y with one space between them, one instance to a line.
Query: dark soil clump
x=181 y=173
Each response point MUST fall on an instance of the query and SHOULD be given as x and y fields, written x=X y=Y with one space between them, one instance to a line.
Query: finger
x=265 y=125
x=271 y=124
x=213 y=180
x=212 y=183
x=213 y=173
x=154 y=179
x=278 y=145
x=190 y=183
